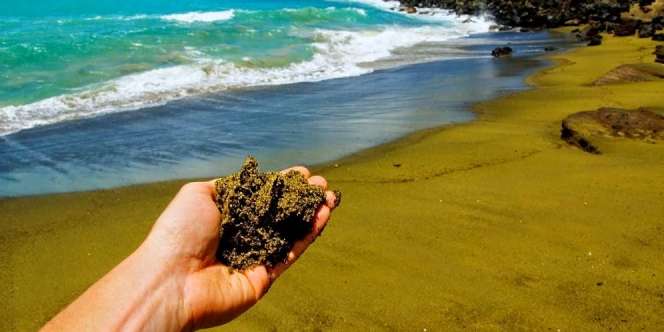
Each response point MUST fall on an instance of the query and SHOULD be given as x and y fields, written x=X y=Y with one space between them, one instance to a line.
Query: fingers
x=321 y=219
x=261 y=277
x=330 y=199
x=301 y=169
x=318 y=180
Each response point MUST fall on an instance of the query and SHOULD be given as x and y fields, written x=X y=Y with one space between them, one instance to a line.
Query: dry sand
x=491 y=225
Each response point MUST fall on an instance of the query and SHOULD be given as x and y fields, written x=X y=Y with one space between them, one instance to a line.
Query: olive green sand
x=263 y=214
x=490 y=225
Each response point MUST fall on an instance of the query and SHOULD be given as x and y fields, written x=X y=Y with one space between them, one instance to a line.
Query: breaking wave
x=336 y=54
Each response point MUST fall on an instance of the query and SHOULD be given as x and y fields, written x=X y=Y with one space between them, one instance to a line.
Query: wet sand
x=491 y=225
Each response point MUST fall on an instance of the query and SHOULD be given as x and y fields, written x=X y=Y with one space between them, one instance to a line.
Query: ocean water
x=63 y=60
x=108 y=93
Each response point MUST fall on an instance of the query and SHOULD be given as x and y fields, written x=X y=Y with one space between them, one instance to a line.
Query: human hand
x=173 y=281
x=189 y=229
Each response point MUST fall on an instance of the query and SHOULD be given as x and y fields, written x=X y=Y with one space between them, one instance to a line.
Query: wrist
x=159 y=289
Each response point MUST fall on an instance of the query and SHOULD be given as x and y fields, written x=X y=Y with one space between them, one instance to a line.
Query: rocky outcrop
x=540 y=13
x=535 y=13
x=580 y=128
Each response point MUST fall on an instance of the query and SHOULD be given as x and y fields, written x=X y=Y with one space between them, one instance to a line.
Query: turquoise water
x=63 y=60
x=98 y=94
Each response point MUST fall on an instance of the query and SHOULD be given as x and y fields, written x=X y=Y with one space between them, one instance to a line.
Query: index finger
x=300 y=169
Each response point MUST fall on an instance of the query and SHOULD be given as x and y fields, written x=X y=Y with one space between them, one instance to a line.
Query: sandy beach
x=496 y=224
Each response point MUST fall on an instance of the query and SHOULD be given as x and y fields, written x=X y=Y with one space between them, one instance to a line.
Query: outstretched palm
x=212 y=293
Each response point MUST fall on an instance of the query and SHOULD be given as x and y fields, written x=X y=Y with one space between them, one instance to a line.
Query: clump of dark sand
x=263 y=214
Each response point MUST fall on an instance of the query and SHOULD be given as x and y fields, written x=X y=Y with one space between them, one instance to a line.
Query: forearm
x=140 y=294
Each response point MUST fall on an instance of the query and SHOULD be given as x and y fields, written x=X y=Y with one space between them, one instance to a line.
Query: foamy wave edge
x=191 y=17
x=337 y=54
x=426 y=13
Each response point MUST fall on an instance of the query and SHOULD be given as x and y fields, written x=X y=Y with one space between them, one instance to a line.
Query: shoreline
x=140 y=153
x=520 y=228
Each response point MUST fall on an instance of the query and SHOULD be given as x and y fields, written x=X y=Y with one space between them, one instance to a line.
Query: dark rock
x=659 y=54
x=569 y=135
x=658 y=37
x=625 y=29
x=501 y=51
x=595 y=41
x=644 y=4
x=658 y=23
x=549 y=49
x=590 y=31
x=610 y=27
x=646 y=31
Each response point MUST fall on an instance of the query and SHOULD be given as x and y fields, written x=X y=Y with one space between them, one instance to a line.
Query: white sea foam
x=429 y=14
x=192 y=17
x=337 y=54
x=115 y=17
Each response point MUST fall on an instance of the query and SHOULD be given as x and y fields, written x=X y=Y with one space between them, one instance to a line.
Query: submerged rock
x=501 y=51
x=263 y=215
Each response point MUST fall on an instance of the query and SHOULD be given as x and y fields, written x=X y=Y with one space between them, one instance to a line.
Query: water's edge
x=536 y=64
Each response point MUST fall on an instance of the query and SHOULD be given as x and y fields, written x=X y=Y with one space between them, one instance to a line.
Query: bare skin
x=173 y=281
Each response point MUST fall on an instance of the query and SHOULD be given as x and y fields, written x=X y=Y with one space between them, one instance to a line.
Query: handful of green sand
x=264 y=214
